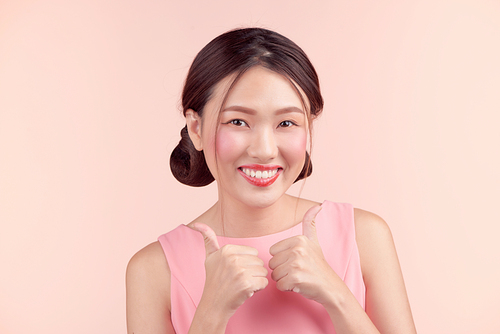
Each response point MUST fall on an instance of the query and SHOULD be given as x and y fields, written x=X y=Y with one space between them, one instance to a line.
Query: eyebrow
x=251 y=111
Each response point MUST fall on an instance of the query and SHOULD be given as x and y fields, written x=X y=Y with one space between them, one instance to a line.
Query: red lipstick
x=261 y=182
x=261 y=167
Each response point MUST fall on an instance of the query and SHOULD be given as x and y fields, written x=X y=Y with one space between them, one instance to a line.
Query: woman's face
x=257 y=149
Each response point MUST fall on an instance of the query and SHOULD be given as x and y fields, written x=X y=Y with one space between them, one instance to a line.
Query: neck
x=235 y=219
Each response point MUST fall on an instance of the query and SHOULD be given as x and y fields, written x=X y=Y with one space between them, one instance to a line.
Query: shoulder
x=374 y=240
x=386 y=300
x=148 y=291
x=148 y=260
x=367 y=222
x=148 y=272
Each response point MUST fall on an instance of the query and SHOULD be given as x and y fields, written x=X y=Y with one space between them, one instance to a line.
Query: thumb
x=308 y=223
x=211 y=243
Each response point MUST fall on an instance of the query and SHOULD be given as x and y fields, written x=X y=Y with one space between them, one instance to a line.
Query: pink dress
x=269 y=310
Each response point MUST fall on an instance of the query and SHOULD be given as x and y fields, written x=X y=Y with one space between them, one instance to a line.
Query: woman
x=259 y=260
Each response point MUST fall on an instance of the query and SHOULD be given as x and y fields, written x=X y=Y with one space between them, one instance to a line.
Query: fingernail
x=318 y=209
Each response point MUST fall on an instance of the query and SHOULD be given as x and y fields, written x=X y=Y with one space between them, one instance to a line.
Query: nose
x=263 y=145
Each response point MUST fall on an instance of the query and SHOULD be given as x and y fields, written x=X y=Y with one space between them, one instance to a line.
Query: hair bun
x=188 y=165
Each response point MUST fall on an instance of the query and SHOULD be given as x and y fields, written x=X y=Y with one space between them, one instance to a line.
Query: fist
x=298 y=263
x=233 y=273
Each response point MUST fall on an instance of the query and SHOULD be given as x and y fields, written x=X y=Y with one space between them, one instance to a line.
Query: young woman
x=259 y=260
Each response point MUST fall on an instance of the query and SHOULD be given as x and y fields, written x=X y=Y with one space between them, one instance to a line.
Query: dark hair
x=235 y=52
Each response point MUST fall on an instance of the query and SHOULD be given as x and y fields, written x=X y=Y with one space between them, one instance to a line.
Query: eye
x=286 y=124
x=237 y=122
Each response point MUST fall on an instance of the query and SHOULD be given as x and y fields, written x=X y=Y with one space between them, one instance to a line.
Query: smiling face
x=256 y=148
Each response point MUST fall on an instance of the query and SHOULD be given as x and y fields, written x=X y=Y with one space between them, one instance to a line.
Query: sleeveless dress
x=269 y=310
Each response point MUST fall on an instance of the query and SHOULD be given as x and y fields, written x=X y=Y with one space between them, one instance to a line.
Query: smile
x=260 y=175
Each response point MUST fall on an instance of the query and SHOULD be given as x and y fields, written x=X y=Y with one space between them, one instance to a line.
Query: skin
x=266 y=124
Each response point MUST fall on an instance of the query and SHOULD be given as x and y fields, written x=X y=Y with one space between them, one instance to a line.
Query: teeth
x=258 y=174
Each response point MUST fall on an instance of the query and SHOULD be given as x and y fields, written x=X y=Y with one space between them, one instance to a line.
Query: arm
x=148 y=292
x=234 y=273
x=386 y=300
x=298 y=265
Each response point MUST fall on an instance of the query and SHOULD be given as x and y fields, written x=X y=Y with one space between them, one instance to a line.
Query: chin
x=261 y=201
x=256 y=197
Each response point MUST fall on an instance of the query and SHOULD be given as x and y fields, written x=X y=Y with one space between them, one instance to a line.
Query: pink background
x=89 y=96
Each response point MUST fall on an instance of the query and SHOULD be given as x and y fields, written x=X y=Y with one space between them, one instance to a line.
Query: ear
x=193 y=122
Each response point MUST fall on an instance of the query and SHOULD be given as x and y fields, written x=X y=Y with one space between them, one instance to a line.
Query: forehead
x=258 y=88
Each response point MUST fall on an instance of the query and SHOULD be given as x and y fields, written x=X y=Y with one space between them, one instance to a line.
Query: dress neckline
x=291 y=231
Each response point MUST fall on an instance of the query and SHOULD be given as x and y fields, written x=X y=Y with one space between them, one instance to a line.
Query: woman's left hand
x=298 y=264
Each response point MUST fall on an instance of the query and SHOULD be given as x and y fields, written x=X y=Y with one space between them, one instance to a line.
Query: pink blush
x=294 y=144
x=228 y=144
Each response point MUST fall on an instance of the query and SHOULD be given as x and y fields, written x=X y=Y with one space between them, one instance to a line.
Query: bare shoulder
x=374 y=239
x=148 y=291
x=368 y=222
x=367 y=219
x=148 y=262
x=387 y=303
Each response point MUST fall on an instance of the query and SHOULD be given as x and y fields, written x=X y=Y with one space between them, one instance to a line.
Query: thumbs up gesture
x=233 y=274
x=298 y=263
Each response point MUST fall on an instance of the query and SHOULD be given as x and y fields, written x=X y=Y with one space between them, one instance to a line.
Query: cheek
x=229 y=145
x=294 y=147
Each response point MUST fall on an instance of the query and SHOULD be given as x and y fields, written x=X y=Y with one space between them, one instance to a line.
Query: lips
x=260 y=175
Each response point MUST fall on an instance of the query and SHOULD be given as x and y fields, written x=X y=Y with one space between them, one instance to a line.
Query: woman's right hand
x=233 y=274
